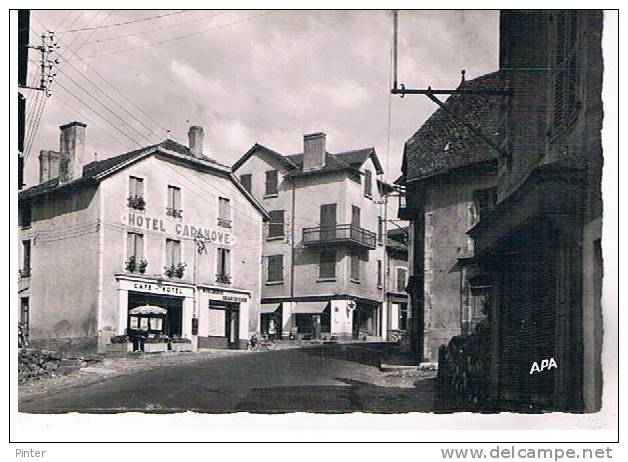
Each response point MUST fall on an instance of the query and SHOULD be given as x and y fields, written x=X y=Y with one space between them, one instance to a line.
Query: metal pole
x=395 y=37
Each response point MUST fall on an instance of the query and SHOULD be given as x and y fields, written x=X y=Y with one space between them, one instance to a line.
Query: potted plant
x=179 y=269
x=155 y=344
x=180 y=344
x=169 y=270
x=119 y=344
x=131 y=264
x=141 y=266
x=136 y=202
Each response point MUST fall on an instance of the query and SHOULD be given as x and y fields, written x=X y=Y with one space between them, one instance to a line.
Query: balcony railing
x=172 y=212
x=346 y=234
x=25 y=273
x=223 y=278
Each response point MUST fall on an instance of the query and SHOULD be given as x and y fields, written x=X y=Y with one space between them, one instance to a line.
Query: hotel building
x=163 y=225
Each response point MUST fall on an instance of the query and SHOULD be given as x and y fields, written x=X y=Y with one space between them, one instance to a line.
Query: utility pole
x=47 y=74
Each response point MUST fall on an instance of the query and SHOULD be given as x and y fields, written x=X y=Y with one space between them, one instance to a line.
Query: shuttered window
x=277 y=225
x=379 y=273
x=402 y=279
x=173 y=252
x=247 y=180
x=271 y=182
x=355 y=266
x=565 y=68
x=136 y=187
x=224 y=263
x=26 y=254
x=327 y=265
x=224 y=212
x=275 y=268
x=368 y=183
x=135 y=246
x=380 y=230
x=484 y=200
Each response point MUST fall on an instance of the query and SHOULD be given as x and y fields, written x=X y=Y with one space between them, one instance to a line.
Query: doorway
x=174 y=318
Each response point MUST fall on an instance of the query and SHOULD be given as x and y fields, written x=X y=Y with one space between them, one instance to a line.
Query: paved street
x=317 y=379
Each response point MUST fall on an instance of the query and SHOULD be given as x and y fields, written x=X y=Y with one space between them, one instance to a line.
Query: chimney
x=195 y=135
x=314 y=151
x=72 y=151
x=48 y=165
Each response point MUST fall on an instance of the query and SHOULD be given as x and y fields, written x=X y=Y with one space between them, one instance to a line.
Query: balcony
x=350 y=235
x=175 y=213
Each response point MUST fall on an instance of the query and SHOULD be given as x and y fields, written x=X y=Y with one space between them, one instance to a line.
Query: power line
x=113 y=100
x=105 y=106
x=68 y=105
x=250 y=18
x=97 y=113
x=117 y=37
x=124 y=23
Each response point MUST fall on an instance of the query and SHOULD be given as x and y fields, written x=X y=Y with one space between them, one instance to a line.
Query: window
x=26 y=258
x=224 y=212
x=277 y=225
x=565 y=68
x=484 y=200
x=327 y=265
x=275 y=268
x=173 y=252
x=136 y=187
x=174 y=202
x=355 y=266
x=134 y=248
x=379 y=273
x=402 y=275
x=380 y=230
x=24 y=315
x=271 y=183
x=26 y=214
x=368 y=179
x=247 y=180
x=136 y=193
x=223 y=267
x=355 y=215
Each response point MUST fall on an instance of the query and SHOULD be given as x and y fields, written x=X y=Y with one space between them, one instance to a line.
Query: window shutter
x=276 y=225
x=139 y=246
x=355 y=266
x=367 y=182
x=271 y=182
x=275 y=268
x=246 y=181
x=327 y=266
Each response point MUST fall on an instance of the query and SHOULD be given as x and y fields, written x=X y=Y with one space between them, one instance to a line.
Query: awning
x=270 y=307
x=309 y=307
x=148 y=309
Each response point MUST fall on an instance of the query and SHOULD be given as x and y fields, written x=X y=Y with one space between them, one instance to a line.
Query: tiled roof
x=93 y=169
x=443 y=143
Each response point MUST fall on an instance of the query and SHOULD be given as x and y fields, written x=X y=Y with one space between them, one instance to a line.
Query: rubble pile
x=35 y=364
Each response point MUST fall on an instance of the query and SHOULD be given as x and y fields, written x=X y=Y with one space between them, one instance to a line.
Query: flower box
x=155 y=347
x=179 y=347
x=126 y=347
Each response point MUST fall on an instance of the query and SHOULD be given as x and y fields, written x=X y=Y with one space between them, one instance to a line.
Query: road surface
x=331 y=379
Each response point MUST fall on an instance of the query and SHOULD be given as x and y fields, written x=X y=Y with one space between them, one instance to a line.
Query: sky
x=269 y=77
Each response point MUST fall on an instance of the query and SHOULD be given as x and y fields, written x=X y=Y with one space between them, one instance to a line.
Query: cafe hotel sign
x=181 y=229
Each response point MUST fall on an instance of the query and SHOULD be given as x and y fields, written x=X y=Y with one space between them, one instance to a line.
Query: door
x=232 y=326
x=328 y=221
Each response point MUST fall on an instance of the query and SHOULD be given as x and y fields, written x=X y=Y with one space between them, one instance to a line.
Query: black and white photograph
x=279 y=216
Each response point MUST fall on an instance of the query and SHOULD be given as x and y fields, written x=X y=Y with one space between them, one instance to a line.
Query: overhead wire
x=114 y=52
x=124 y=23
x=150 y=31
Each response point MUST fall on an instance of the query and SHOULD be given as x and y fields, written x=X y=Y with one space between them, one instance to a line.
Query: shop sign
x=157 y=288
x=182 y=229
x=219 y=295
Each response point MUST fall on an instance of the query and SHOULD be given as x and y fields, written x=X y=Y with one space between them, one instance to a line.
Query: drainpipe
x=292 y=240
x=385 y=266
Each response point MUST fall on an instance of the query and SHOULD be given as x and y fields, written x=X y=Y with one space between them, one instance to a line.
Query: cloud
x=269 y=79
